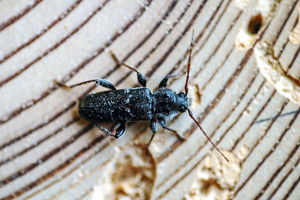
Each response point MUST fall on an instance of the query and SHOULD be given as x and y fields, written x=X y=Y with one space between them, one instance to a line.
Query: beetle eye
x=181 y=94
x=182 y=109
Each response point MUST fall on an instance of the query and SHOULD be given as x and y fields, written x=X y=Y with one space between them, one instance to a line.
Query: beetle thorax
x=167 y=103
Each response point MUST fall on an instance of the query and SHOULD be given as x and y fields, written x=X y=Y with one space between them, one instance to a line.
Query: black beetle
x=135 y=104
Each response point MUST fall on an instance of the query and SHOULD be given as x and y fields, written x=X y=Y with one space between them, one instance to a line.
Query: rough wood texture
x=48 y=152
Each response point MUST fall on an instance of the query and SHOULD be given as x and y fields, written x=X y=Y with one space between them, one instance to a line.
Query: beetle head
x=182 y=102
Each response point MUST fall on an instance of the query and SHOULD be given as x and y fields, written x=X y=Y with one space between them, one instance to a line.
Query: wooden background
x=48 y=152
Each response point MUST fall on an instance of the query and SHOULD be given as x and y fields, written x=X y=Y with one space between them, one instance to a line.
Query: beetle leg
x=164 y=82
x=162 y=122
x=106 y=131
x=141 y=78
x=98 y=81
x=114 y=126
x=120 y=130
x=153 y=128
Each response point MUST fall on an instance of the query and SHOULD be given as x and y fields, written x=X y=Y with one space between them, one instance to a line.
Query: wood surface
x=48 y=152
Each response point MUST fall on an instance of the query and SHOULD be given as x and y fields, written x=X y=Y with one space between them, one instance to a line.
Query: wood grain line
x=19 y=15
x=28 y=132
x=291 y=189
x=43 y=159
x=63 y=15
x=56 y=170
x=58 y=130
x=282 y=180
x=54 y=47
x=278 y=170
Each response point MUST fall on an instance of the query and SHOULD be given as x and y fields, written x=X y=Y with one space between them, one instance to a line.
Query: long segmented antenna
x=186 y=92
x=189 y=65
x=191 y=115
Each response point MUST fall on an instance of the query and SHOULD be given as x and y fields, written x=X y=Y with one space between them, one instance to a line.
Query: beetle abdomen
x=134 y=104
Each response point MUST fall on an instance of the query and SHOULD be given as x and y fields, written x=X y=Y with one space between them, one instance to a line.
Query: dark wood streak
x=252 y=122
x=283 y=180
x=291 y=188
x=89 y=90
x=45 y=30
x=278 y=170
x=27 y=66
x=18 y=16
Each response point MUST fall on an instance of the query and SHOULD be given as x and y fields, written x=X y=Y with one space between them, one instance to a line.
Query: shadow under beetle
x=135 y=104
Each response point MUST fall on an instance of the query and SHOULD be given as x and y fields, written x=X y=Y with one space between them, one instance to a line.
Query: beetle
x=136 y=104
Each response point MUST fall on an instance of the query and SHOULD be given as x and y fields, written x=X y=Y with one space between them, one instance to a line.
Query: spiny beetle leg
x=98 y=81
x=120 y=130
x=114 y=126
x=164 y=82
x=162 y=122
x=105 y=83
x=153 y=128
x=141 y=78
x=106 y=131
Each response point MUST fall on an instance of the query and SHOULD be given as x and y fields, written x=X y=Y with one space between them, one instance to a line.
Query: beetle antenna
x=189 y=65
x=191 y=115
x=186 y=92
